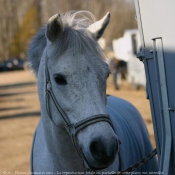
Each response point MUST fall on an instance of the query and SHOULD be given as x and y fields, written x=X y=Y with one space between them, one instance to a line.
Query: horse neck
x=55 y=136
x=59 y=146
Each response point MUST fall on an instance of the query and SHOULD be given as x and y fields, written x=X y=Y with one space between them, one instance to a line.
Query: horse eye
x=60 y=79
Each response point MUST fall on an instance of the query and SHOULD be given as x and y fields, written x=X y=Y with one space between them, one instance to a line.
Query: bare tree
x=13 y=14
x=11 y=17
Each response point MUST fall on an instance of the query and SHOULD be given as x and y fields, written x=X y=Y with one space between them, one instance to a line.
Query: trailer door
x=156 y=23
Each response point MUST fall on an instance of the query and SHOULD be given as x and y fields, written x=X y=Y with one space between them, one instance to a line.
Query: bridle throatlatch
x=72 y=128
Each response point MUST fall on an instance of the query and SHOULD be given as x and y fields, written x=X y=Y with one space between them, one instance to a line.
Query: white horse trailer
x=157 y=31
x=125 y=48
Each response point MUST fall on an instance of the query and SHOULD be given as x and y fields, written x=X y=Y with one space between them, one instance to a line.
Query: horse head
x=73 y=70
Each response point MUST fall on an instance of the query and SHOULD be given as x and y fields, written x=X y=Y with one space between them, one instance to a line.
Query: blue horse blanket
x=132 y=132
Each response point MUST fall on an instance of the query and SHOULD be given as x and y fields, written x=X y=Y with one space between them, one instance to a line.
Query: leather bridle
x=72 y=128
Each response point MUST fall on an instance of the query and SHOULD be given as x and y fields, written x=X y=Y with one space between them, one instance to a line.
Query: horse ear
x=99 y=27
x=54 y=27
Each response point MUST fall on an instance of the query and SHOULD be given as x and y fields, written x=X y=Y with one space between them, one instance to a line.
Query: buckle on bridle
x=48 y=86
x=71 y=129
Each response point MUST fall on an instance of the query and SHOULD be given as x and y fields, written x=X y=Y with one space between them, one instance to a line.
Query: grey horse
x=81 y=129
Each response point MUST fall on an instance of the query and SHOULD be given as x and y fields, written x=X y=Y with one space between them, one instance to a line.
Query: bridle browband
x=72 y=128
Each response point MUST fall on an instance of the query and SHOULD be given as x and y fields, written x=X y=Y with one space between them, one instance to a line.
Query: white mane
x=79 y=20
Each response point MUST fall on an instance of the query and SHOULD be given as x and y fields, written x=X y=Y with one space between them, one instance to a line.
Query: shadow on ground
x=21 y=115
x=13 y=95
x=17 y=85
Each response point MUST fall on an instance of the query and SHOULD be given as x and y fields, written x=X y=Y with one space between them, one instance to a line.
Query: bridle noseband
x=72 y=128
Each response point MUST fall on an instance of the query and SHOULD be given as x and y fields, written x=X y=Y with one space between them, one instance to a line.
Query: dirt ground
x=20 y=111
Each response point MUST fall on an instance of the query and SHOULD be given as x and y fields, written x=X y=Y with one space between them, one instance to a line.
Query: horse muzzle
x=100 y=151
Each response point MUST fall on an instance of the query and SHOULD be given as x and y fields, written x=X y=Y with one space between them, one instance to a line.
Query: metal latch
x=144 y=53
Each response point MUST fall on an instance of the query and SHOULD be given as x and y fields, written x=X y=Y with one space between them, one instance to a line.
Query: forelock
x=79 y=20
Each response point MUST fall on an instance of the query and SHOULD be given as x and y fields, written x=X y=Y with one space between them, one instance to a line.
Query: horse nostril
x=103 y=152
x=96 y=150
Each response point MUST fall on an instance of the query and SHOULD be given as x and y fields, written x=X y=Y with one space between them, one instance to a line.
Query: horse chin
x=94 y=167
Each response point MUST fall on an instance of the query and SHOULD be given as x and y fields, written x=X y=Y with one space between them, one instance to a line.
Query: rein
x=138 y=164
